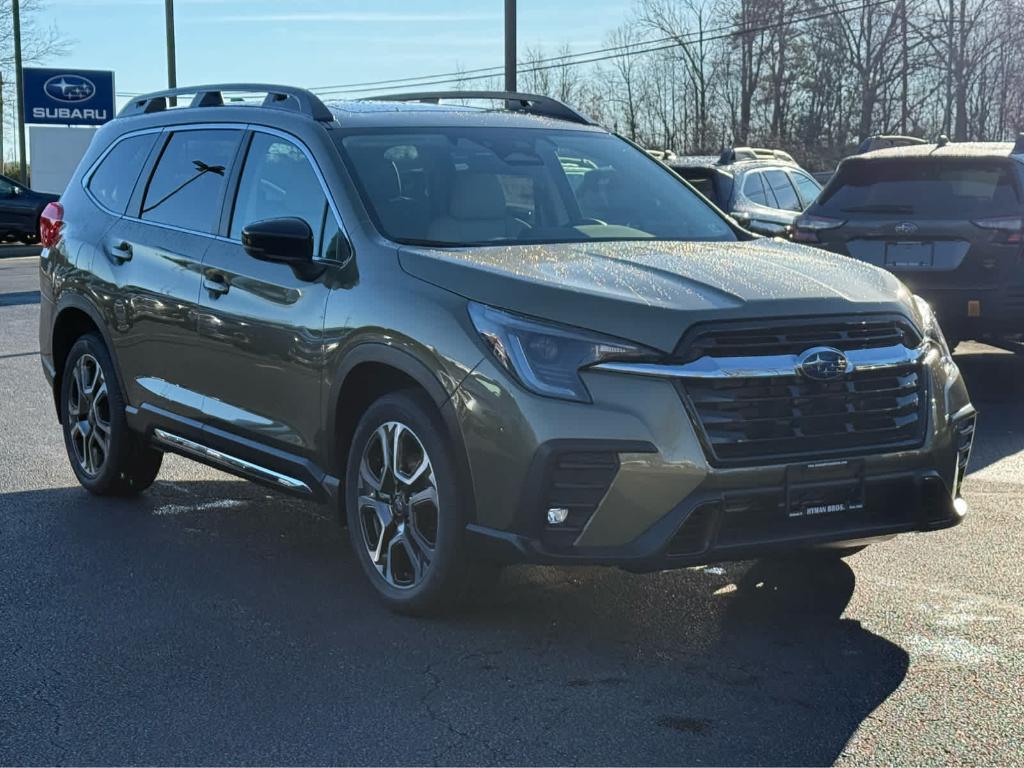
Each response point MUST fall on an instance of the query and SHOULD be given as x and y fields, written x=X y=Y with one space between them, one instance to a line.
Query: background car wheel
x=106 y=456
x=405 y=515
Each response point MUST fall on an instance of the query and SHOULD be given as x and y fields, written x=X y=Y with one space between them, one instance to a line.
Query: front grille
x=792 y=338
x=791 y=417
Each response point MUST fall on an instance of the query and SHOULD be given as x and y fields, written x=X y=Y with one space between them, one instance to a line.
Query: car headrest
x=477 y=196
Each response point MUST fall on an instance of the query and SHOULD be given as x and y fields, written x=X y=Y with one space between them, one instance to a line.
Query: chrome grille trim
x=767 y=366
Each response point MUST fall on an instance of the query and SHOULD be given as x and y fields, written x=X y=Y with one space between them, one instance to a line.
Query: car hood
x=651 y=292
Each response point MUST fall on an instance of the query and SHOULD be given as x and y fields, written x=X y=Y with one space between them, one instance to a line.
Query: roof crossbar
x=277 y=97
x=529 y=103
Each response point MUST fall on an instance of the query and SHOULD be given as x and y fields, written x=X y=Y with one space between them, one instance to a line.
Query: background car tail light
x=806 y=228
x=1011 y=227
x=51 y=222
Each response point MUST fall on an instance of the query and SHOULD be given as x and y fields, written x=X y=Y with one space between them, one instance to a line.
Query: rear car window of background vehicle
x=278 y=181
x=755 y=191
x=784 y=191
x=942 y=188
x=187 y=186
x=113 y=181
x=809 y=189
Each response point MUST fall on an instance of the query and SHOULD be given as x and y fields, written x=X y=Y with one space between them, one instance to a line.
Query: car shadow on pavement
x=214 y=622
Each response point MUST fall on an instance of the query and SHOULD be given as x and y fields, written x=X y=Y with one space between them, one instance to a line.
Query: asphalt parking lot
x=211 y=622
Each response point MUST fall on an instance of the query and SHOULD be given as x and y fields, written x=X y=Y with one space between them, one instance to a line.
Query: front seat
x=476 y=212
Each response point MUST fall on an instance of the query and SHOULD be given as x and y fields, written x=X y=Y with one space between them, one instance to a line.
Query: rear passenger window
x=278 y=181
x=808 y=187
x=114 y=180
x=187 y=186
x=784 y=191
x=753 y=188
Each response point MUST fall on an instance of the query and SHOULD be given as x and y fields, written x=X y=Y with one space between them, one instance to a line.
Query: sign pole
x=3 y=128
x=172 y=66
x=20 y=86
x=510 y=45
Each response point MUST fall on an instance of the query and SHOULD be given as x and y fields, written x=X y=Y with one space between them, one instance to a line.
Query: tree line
x=810 y=76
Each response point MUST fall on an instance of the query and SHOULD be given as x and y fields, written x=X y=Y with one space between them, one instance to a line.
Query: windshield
x=963 y=189
x=471 y=186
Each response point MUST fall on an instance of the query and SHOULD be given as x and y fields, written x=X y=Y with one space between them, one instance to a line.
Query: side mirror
x=286 y=241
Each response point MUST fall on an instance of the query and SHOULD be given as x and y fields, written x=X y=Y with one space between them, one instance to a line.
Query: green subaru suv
x=486 y=335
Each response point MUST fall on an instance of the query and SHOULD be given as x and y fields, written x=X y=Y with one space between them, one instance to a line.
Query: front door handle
x=215 y=285
x=121 y=251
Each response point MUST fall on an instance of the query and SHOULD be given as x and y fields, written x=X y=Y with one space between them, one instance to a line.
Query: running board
x=230 y=463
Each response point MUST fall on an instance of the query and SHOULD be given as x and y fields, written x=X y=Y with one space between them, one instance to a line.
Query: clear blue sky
x=315 y=42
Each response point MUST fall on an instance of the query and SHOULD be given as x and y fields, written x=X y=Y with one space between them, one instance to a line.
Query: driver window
x=278 y=181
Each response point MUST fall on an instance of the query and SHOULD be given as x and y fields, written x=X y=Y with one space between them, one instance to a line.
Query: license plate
x=825 y=488
x=909 y=255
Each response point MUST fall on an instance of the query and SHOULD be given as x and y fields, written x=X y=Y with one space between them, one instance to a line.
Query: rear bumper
x=968 y=311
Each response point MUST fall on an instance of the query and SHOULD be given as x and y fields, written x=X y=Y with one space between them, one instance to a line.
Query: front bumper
x=664 y=504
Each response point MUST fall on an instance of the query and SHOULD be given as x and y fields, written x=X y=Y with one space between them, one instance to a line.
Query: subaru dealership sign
x=68 y=96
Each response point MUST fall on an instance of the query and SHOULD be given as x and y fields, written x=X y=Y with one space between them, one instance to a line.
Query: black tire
x=122 y=465
x=407 y=573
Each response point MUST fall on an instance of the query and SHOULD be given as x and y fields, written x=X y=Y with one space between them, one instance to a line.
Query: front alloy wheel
x=398 y=505
x=88 y=412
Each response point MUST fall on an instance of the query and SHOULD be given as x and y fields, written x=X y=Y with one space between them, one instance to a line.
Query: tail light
x=806 y=227
x=51 y=222
x=1009 y=229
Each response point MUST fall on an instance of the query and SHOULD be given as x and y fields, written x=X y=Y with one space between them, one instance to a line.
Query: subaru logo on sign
x=69 y=88
x=906 y=228
x=823 y=364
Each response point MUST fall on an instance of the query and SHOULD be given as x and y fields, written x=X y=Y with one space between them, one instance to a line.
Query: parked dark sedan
x=20 y=208
x=947 y=219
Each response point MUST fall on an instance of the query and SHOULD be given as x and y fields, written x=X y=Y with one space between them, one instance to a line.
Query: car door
x=152 y=258
x=760 y=212
x=261 y=323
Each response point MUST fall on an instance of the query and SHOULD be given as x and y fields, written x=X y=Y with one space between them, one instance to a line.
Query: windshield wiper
x=880 y=208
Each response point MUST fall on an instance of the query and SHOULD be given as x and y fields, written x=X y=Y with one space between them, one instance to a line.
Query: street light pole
x=510 y=45
x=172 y=66
x=20 y=86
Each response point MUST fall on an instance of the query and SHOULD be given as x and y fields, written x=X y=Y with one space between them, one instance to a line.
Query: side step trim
x=230 y=463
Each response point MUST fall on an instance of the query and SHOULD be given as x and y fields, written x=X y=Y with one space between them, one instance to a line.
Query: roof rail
x=529 y=103
x=277 y=97
x=735 y=154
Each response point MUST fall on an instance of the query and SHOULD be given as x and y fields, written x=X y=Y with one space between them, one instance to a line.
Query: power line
x=593 y=56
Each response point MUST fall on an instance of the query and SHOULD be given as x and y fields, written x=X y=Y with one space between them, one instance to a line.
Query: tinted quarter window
x=6 y=188
x=808 y=188
x=277 y=182
x=785 y=194
x=187 y=186
x=113 y=182
x=946 y=188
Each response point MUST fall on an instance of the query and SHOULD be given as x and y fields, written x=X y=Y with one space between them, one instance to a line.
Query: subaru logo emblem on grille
x=822 y=364
x=69 y=88
x=906 y=228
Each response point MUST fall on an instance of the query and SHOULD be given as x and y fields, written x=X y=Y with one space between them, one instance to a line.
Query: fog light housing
x=557 y=515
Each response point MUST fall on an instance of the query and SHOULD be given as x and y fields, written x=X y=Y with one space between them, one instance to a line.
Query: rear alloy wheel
x=406 y=518
x=106 y=456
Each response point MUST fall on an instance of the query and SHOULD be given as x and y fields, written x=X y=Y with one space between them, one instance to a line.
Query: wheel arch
x=372 y=370
x=75 y=317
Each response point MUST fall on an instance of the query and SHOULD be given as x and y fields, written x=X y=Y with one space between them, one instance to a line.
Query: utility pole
x=172 y=66
x=3 y=127
x=510 y=45
x=20 y=85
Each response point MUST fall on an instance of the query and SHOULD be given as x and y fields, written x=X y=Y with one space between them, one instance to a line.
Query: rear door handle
x=121 y=251
x=215 y=285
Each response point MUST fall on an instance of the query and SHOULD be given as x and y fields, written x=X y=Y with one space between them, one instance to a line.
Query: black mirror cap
x=288 y=240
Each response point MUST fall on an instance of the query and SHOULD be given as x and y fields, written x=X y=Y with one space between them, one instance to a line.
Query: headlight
x=933 y=333
x=547 y=358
